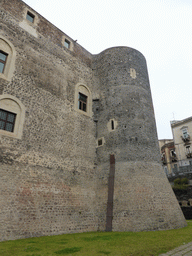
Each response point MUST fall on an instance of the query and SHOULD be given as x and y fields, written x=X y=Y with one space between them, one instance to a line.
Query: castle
x=78 y=142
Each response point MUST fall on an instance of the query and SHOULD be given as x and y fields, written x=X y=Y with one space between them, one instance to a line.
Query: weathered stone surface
x=54 y=179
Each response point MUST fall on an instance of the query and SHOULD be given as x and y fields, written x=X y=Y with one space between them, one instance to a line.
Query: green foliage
x=180 y=184
x=177 y=182
x=100 y=243
x=185 y=181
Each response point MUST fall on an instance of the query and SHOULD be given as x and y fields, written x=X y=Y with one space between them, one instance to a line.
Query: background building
x=176 y=154
x=182 y=135
x=168 y=155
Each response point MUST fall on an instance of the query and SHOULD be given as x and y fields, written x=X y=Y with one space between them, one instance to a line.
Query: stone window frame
x=7 y=47
x=67 y=43
x=65 y=40
x=83 y=89
x=12 y=104
x=30 y=15
x=133 y=73
x=112 y=125
x=27 y=25
x=102 y=140
x=2 y=60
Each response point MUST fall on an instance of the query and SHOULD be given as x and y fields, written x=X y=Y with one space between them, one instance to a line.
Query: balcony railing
x=173 y=159
x=189 y=155
x=185 y=138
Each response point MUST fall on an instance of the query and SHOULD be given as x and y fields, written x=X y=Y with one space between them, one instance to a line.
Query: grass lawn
x=100 y=243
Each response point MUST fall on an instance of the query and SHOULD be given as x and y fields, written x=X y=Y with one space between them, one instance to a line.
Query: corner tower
x=139 y=194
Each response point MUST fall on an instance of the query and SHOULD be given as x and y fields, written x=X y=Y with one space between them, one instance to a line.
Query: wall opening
x=30 y=17
x=112 y=125
x=83 y=100
x=12 y=114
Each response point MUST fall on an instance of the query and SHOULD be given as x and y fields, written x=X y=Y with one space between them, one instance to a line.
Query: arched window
x=83 y=100
x=12 y=114
x=7 y=58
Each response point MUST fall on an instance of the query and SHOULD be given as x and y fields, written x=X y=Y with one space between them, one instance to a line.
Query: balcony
x=189 y=155
x=185 y=138
x=173 y=158
x=163 y=159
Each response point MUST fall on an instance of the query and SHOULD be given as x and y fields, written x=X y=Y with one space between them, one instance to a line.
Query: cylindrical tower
x=126 y=130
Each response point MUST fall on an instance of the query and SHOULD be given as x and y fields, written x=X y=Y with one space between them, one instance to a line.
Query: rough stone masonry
x=78 y=141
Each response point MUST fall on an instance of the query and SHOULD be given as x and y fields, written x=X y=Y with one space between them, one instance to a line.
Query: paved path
x=185 y=250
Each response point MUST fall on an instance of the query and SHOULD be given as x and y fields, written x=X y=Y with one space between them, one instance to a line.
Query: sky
x=160 y=29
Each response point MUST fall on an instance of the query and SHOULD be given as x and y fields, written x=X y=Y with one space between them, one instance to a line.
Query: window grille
x=7 y=120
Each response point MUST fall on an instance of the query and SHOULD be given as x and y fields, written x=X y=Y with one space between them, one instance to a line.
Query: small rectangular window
x=7 y=120
x=100 y=142
x=30 y=17
x=185 y=133
x=67 y=44
x=82 y=102
x=3 y=59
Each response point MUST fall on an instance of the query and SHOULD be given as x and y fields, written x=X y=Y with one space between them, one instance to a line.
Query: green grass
x=150 y=243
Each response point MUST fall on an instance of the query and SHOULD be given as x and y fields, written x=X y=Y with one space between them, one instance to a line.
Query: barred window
x=3 y=59
x=82 y=102
x=7 y=120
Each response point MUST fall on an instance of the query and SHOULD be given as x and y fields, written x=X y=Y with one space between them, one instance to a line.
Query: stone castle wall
x=54 y=178
x=139 y=203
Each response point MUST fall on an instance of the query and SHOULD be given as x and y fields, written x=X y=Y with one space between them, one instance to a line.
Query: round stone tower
x=132 y=178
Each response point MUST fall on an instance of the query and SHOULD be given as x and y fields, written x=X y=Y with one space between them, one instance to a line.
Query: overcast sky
x=160 y=29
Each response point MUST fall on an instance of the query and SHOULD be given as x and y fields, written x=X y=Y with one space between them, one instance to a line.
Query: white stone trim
x=82 y=88
x=70 y=45
x=30 y=27
x=103 y=142
x=109 y=125
x=7 y=47
x=12 y=104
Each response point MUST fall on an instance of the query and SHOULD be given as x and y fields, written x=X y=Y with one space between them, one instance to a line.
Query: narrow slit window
x=30 y=17
x=67 y=44
x=112 y=125
x=7 y=120
x=82 y=102
x=3 y=59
